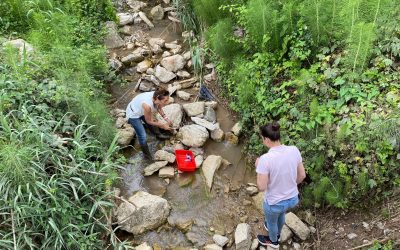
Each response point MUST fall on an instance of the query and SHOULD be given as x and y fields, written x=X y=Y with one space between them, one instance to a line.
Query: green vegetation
x=57 y=141
x=329 y=72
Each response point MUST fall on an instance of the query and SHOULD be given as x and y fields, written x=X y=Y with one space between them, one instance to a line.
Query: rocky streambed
x=216 y=206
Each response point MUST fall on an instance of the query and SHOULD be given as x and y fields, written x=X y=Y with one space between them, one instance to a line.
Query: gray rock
x=127 y=30
x=236 y=129
x=286 y=234
x=135 y=56
x=352 y=236
x=118 y=113
x=112 y=39
x=162 y=155
x=151 y=78
x=177 y=50
x=125 y=18
x=243 y=237
x=120 y=122
x=22 y=46
x=220 y=240
x=136 y=5
x=171 y=45
x=143 y=246
x=152 y=168
x=212 y=247
x=166 y=54
x=146 y=86
x=197 y=151
x=297 y=226
x=156 y=41
x=232 y=138
x=296 y=246
x=164 y=75
x=217 y=135
x=210 y=115
x=193 y=135
x=211 y=77
x=144 y=212
x=174 y=113
x=166 y=172
x=173 y=63
x=183 y=74
x=251 y=190
x=187 y=55
x=210 y=165
x=145 y=19
x=199 y=160
x=150 y=71
x=254 y=244
x=211 y=104
x=258 y=201
x=208 y=125
x=115 y=64
x=193 y=109
x=143 y=66
x=157 y=12
x=183 y=95
x=125 y=136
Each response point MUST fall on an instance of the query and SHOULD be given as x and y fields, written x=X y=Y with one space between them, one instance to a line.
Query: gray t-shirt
x=280 y=164
x=135 y=108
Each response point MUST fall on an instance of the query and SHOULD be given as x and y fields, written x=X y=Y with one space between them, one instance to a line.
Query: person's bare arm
x=262 y=182
x=301 y=173
x=149 y=118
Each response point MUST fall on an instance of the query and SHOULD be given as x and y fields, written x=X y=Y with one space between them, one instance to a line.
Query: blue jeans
x=139 y=129
x=275 y=216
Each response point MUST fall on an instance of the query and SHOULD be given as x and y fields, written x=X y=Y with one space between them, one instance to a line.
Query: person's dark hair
x=160 y=93
x=271 y=131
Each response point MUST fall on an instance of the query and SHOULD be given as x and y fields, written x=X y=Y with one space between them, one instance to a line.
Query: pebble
x=296 y=246
x=352 y=236
x=366 y=226
x=380 y=225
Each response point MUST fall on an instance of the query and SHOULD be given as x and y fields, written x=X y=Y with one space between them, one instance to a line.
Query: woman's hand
x=168 y=121
x=165 y=126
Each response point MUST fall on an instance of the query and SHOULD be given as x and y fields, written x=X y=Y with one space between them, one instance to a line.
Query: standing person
x=141 y=109
x=278 y=173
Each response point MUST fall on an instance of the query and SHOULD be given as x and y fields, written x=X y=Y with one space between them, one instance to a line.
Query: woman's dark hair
x=160 y=93
x=271 y=131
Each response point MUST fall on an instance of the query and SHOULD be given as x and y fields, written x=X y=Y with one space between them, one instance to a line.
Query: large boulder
x=143 y=66
x=144 y=212
x=125 y=18
x=163 y=74
x=174 y=113
x=236 y=129
x=210 y=165
x=193 y=135
x=297 y=226
x=217 y=135
x=173 y=63
x=112 y=39
x=286 y=234
x=162 y=155
x=193 y=109
x=125 y=136
x=243 y=237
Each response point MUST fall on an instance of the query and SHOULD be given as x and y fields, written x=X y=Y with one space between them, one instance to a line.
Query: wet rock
x=236 y=129
x=217 y=135
x=297 y=226
x=174 y=113
x=183 y=95
x=183 y=74
x=145 y=19
x=187 y=55
x=199 y=160
x=212 y=247
x=143 y=246
x=120 y=122
x=242 y=236
x=352 y=236
x=220 y=240
x=135 y=56
x=286 y=234
x=258 y=201
x=166 y=172
x=210 y=115
x=136 y=5
x=151 y=78
x=152 y=168
x=193 y=135
x=184 y=179
x=231 y=138
x=210 y=165
x=251 y=190
x=144 y=212
x=125 y=136
x=127 y=30
x=164 y=75
x=193 y=109
x=125 y=18
x=208 y=125
x=173 y=63
x=197 y=151
x=146 y=86
x=171 y=45
x=115 y=64
x=157 y=12
x=211 y=104
x=112 y=39
x=254 y=244
x=162 y=155
x=143 y=66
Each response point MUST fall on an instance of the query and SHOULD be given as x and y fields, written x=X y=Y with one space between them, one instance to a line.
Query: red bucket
x=185 y=160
